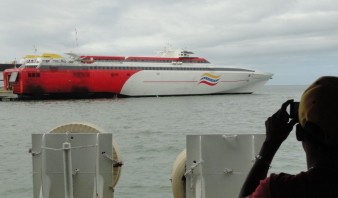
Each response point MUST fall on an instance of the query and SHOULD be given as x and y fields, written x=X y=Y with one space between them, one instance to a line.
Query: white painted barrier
x=215 y=165
x=88 y=158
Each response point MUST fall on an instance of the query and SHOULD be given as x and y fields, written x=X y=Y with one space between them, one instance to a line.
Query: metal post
x=67 y=165
x=45 y=190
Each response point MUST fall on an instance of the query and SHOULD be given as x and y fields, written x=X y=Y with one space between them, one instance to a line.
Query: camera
x=294 y=106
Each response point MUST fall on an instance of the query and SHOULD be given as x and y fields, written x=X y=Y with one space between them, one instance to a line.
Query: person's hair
x=318 y=111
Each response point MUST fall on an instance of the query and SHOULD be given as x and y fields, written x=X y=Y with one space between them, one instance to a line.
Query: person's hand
x=278 y=128
x=279 y=125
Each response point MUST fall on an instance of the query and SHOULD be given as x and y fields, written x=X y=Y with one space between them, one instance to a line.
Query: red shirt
x=262 y=190
x=315 y=183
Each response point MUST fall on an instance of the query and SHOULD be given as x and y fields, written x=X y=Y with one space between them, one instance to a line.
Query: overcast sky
x=297 y=40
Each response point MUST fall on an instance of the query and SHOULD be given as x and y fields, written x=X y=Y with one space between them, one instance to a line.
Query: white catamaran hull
x=149 y=83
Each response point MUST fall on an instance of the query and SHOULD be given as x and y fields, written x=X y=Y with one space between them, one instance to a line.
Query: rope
x=115 y=162
x=75 y=147
x=192 y=168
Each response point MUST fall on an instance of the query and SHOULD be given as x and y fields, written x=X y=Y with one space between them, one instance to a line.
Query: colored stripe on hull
x=209 y=79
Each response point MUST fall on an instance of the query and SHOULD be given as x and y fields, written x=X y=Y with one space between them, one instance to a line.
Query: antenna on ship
x=76 y=41
x=35 y=49
x=14 y=62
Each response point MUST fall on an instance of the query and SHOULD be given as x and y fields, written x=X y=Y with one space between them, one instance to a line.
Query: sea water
x=150 y=131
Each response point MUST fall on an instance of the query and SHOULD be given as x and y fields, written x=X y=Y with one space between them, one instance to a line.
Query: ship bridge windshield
x=185 y=53
x=28 y=66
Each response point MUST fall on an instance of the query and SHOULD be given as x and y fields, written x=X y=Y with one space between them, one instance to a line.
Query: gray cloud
x=264 y=34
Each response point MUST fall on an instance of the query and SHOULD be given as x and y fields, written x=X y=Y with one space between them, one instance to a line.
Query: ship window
x=13 y=77
x=34 y=75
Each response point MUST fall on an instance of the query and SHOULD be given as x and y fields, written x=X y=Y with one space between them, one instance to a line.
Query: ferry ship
x=172 y=72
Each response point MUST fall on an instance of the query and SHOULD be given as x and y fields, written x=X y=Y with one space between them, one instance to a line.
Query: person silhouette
x=318 y=132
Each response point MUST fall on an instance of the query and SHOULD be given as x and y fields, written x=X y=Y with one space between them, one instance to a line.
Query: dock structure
x=7 y=95
x=4 y=66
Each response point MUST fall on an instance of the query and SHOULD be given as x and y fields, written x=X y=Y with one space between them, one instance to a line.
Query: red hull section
x=52 y=74
x=40 y=82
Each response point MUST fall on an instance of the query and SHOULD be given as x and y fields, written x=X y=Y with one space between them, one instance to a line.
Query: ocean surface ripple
x=150 y=132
